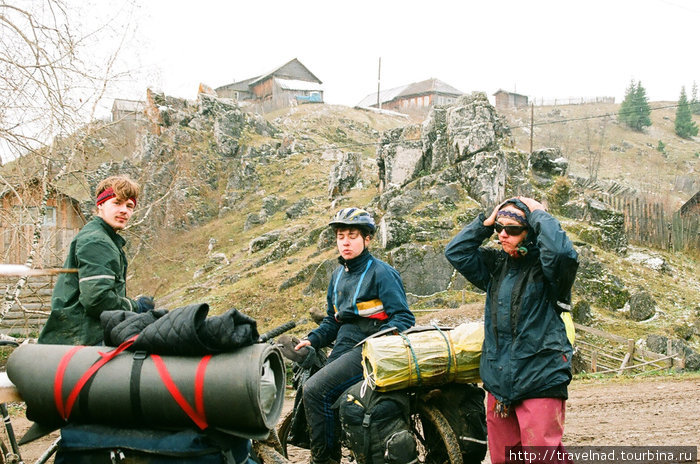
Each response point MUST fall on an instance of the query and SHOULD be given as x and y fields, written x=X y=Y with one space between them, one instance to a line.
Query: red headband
x=107 y=194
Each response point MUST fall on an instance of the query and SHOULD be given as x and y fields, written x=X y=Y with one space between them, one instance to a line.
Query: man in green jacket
x=100 y=283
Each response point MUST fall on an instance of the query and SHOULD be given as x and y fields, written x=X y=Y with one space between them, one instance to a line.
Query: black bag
x=376 y=426
x=463 y=407
x=97 y=444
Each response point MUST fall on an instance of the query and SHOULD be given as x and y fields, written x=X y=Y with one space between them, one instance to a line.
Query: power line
x=598 y=116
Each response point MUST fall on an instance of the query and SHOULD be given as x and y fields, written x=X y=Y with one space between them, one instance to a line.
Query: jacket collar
x=116 y=238
x=356 y=263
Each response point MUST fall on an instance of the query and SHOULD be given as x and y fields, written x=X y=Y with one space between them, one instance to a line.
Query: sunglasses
x=510 y=230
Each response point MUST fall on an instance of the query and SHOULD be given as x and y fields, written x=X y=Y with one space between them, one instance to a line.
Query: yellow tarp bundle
x=431 y=357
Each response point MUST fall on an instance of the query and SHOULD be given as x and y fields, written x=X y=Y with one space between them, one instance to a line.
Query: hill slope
x=179 y=268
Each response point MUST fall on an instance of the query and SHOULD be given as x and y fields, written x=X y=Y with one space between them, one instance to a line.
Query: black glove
x=305 y=356
x=144 y=304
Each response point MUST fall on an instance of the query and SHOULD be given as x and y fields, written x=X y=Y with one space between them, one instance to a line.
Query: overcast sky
x=557 y=48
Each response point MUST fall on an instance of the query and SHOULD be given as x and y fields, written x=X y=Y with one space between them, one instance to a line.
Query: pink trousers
x=535 y=422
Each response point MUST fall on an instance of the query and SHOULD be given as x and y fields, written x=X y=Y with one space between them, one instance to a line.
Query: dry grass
x=626 y=156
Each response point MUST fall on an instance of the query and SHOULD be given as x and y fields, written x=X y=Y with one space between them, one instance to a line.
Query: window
x=27 y=216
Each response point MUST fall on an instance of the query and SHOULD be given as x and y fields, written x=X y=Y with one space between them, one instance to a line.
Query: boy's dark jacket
x=362 y=279
x=526 y=353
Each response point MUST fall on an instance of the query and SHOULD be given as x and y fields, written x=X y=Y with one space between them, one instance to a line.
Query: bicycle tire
x=283 y=431
x=435 y=429
x=266 y=454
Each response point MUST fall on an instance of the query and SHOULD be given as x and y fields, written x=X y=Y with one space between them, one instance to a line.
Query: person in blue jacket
x=526 y=355
x=365 y=295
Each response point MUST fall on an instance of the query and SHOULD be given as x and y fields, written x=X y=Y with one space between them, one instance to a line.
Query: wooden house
x=691 y=208
x=127 y=109
x=19 y=208
x=506 y=99
x=417 y=97
x=288 y=85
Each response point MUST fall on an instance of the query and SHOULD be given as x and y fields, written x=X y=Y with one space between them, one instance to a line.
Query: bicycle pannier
x=376 y=426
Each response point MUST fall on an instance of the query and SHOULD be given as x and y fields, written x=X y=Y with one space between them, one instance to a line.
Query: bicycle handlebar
x=279 y=330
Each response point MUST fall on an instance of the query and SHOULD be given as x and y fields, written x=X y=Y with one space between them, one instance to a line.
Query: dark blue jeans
x=320 y=392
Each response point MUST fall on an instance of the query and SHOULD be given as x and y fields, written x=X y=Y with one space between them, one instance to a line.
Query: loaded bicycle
x=445 y=422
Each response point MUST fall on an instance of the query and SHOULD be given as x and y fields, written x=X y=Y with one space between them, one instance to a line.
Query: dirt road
x=652 y=411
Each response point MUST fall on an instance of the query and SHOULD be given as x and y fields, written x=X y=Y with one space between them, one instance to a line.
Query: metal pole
x=532 y=124
x=379 y=78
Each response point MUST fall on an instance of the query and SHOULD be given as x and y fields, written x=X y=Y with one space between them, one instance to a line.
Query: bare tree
x=595 y=153
x=51 y=81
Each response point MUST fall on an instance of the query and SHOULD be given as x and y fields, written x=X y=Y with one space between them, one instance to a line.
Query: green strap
x=415 y=358
x=449 y=350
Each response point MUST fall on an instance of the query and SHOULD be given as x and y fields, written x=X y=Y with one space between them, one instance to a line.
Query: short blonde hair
x=124 y=187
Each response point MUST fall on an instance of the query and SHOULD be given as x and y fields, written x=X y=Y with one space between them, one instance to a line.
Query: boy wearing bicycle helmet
x=526 y=358
x=365 y=295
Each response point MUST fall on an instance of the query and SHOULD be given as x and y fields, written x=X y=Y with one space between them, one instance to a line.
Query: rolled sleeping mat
x=240 y=392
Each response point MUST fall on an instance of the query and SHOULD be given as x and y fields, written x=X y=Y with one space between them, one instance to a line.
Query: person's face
x=350 y=243
x=116 y=212
x=510 y=242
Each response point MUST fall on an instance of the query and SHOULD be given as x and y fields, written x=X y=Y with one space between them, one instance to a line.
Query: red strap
x=65 y=410
x=199 y=385
x=197 y=416
x=58 y=380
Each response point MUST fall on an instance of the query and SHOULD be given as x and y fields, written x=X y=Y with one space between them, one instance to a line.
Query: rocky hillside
x=235 y=210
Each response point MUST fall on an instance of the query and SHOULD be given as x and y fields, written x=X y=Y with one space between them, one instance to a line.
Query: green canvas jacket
x=100 y=285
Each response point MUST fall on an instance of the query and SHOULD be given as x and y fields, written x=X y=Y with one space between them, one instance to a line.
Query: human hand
x=491 y=220
x=532 y=204
x=144 y=303
x=302 y=344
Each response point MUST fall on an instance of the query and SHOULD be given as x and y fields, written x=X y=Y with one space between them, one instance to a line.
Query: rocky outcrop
x=400 y=156
x=546 y=164
x=597 y=284
x=468 y=136
x=473 y=126
x=345 y=174
x=604 y=226
x=414 y=261
x=642 y=306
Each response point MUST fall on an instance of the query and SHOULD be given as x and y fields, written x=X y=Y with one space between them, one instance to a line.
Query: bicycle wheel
x=437 y=442
x=283 y=431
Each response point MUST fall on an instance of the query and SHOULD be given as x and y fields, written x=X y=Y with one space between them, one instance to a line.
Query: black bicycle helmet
x=355 y=217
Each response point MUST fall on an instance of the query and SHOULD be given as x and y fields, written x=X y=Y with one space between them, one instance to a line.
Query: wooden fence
x=617 y=355
x=649 y=224
x=571 y=101
x=29 y=315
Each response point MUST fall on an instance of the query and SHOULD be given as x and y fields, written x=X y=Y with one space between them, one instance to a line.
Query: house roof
x=133 y=106
x=427 y=86
x=292 y=69
x=241 y=86
x=293 y=84
x=688 y=205
x=431 y=85
x=509 y=93
x=35 y=182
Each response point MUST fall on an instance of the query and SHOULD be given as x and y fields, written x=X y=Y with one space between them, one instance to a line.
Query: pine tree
x=694 y=103
x=641 y=108
x=626 y=105
x=634 y=110
x=684 y=125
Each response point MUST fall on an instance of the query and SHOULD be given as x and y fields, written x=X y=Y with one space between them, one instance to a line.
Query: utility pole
x=379 y=79
x=532 y=124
